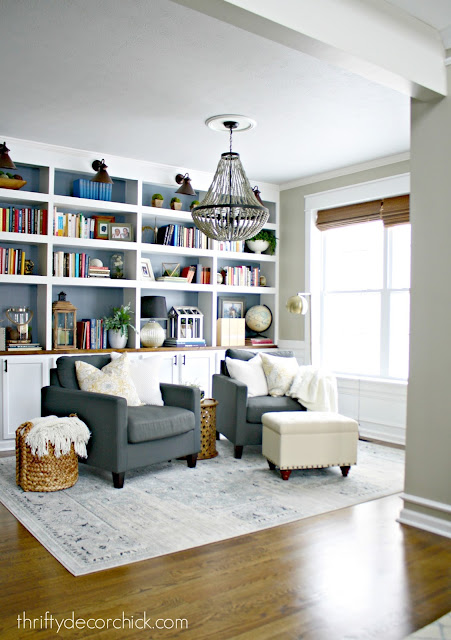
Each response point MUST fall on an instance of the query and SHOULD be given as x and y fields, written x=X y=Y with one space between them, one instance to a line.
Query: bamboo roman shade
x=391 y=211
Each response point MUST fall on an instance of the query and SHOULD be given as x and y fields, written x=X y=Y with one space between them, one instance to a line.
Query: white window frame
x=364 y=192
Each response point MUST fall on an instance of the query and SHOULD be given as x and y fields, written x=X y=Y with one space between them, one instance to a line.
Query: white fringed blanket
x=315 y=389
x=61 y=433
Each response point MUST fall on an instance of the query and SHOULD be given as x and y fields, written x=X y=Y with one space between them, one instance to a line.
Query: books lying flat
x=189 y=342
x=178 y=279
x=24 y=347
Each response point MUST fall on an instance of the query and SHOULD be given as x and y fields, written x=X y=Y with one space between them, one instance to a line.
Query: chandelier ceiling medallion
x=230 y=210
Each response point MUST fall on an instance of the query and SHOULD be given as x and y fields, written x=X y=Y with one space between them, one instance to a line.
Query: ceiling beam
x=371 y=38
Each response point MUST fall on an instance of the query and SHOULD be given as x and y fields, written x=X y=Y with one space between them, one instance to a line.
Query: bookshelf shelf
x=50 y=187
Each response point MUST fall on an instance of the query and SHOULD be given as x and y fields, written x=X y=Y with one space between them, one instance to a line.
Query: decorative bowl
x=257 y=246
x=11 y=183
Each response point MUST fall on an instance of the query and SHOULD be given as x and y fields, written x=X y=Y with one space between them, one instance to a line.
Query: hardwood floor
x=352 y=574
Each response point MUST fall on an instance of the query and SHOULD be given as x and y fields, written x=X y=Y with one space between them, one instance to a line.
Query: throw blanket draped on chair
x=61 y=433
x=315 y=389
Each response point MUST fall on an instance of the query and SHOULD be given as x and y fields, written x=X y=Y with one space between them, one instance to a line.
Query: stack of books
x=98 y=272
x=23 y=346
x=259 y=341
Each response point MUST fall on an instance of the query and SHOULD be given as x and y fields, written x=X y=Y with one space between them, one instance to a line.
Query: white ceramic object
x=257 y=246
x=152 y=334
x=116 y=340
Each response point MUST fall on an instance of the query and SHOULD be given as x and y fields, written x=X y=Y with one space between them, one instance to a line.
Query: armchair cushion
x=251 y=373
x=256 y=407
x=114 y=379
x=149 y=422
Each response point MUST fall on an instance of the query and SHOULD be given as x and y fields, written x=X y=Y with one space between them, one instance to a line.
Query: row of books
x=236 y=245
x=91 y=334
x=241 y=276
x=73 y=225
x=70 y=265
x=23 y=220
x=176 y=235
x=83 y=188
x=12 y=261
x=197 y=273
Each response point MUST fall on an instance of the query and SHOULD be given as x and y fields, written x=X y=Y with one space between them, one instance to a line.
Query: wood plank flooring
x=352 y=574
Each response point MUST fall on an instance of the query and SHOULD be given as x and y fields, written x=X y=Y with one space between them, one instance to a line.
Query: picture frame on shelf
x=101 y=228
x=122 y=231
x=146 y=269
x=231 y=308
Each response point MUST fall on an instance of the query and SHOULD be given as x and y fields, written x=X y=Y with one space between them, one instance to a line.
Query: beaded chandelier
x=230 y=210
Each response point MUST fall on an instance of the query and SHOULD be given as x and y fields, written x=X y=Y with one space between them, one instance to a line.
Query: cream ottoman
x=309 y=439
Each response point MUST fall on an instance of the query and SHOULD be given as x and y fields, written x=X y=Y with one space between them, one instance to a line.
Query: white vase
x=116 y=340
x=257 y=246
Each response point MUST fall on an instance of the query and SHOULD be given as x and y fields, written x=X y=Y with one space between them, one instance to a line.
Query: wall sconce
x=299 y=304
x=5 y=160
x=257 y=195
x=186 y=187
x=102 y=173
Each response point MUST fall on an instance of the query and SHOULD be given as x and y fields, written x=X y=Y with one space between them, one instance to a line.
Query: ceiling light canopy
x=230 y=210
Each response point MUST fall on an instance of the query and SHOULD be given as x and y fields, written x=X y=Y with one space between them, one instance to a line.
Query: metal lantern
x=230 y=209
x=64 y=323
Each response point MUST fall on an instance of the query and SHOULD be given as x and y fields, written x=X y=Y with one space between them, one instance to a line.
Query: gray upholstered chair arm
x=179 y=395
x=232 y=398
x=106 y=417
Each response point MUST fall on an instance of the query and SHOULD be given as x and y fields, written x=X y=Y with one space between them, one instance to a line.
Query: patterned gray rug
x=168 y=507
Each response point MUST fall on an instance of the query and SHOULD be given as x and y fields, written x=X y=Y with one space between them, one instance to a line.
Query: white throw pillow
x=279 y=373
x=251 y=373
x=113 y=379
x=145 y=374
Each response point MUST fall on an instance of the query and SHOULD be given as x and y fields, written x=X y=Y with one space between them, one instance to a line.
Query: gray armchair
x=240 y=418
x=123 y=437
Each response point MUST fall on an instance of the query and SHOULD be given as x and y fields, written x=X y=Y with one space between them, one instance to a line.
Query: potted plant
x=263 y=240
x=157 y=200
x=176 y=203
x=193 y=204
x=117 y=326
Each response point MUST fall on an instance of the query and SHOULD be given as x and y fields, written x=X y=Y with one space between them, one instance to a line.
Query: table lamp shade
x=153 y=307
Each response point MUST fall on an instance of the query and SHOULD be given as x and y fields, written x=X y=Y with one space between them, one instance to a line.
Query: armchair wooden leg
x=192 y=460
x=118 y=480
x=345 y=470
x=272 y=466
x=218 y=435
x=238 y=451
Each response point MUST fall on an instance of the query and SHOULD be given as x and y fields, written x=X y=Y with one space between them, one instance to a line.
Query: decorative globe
x=259 y=318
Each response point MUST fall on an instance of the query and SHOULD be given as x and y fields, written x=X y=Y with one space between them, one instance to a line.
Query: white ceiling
x=138 y=78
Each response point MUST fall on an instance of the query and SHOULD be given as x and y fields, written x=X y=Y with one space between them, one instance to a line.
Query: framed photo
x=146 y=269
x=101 y=226
x=120 y=231
x=231 y=308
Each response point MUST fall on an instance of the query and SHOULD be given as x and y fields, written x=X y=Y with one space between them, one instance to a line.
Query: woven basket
x=43 y=474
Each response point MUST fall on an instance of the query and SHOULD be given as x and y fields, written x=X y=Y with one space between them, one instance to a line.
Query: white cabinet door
x=169 y=368
x=197 y=368
x=22 y=379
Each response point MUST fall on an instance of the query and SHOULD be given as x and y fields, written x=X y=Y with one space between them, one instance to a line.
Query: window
x=364 y=300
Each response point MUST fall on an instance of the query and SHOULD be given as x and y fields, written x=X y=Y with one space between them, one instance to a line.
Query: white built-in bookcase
x=50 y=171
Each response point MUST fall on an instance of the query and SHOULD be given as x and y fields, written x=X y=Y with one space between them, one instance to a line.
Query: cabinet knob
x=184 y=359
x=175 y=359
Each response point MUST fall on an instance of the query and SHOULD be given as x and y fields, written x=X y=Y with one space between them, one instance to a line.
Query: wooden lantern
x=64 y=324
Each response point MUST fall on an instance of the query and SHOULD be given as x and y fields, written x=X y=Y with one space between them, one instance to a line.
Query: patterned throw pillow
x=279 y=372
x=113 y=379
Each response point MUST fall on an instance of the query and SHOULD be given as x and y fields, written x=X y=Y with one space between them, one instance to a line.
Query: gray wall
x=292 y=239
x=428 y=466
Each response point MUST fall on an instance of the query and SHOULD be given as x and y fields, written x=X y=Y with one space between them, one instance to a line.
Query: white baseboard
x=434 y=524
x=427 y=523
x=7 y=445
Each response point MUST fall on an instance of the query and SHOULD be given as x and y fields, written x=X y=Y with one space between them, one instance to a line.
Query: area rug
x=438 y=630
x=168 y=507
